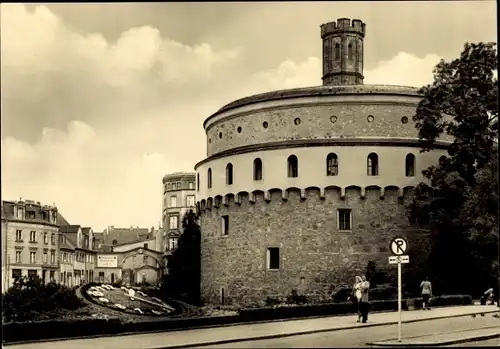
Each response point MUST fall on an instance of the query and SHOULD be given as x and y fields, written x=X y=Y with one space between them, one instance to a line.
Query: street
x=359 y=337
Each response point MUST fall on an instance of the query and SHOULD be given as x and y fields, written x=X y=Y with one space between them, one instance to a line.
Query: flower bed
x=119 y=299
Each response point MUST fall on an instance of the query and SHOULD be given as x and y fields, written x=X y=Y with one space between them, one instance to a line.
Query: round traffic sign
x=399 y=246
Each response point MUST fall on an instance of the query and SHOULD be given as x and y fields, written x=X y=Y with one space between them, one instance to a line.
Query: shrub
x=29 y=298
x=446 y=300
x=341 y=294
x=384 y=292
x=272 y=301
x=294 y=298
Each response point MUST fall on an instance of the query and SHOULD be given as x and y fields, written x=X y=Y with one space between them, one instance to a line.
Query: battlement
x=331 y=193
x=343 y=25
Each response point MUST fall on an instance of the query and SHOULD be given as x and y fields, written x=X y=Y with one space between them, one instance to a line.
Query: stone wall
x=319 y=121
x=314 y=253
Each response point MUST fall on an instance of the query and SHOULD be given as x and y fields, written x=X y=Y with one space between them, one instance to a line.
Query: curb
x=226 y=341
x=434 y=344
x=284 y=335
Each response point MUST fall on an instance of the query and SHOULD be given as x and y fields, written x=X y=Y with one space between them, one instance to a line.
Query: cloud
x=94 y=125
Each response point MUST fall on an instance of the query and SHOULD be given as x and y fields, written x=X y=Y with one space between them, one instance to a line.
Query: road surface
x=359 y=337
x=489 y=343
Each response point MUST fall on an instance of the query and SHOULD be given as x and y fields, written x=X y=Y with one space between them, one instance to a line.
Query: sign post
x=399 y=246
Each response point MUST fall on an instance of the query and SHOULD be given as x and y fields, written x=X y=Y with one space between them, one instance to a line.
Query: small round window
x=404 y=120
x=296 y=121
x=370 y=118
x=220 y=135
x=265 y=124
x=333 y=119
x=239 y=129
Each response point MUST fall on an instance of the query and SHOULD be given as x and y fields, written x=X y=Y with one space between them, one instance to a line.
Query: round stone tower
x=302 y=188
x=343 y=52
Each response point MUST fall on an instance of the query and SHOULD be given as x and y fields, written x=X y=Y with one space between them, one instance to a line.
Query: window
x=64 y=257
x=293 y=166
x=410 y=165
x=209 y=178
x=53 y=239
x=169 y=186
x=173 y=201
x=45 y=238
x=172 y=243
x=32 y=236
x=52 y=276
x=146 y=245
x=190 y=200
x=229 y=174
x=257 y=169
x=273 y=258
x=344 y=219
x=16 y=274
x=32 y=273
x=337 y=51
x=349 y=51
x=372 y=164
x=20 y=213
x=45 y=257
x=197 y=182
x=31 y=214
x=19 y=257
x=225 y=225
x=191 y=185
x=32 y=257
x=145 y=260
x=19 y=235
x=173 y=222
x=332 y=165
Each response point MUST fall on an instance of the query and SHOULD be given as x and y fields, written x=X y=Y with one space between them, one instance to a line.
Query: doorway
x=112 y=278
x=44 y=276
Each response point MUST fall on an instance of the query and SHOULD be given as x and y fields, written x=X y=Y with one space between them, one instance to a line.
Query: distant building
x=179 y=196
x=30 y=241
x=78 y=245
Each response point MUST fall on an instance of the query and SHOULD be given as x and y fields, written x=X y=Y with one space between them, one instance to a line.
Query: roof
x=125 y=235
x=179 y=175
x=324 y=90
x=71 y=229
x=86 y=230
x=67 y=243
x=61 y=220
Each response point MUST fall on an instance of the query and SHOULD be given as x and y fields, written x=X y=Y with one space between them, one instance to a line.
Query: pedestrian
x=363 y=304
x=356 y=295
x=426 y=292
x=488 y=296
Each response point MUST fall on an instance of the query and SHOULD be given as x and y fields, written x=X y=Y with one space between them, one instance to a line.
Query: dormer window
x=20 y=213
x=31 y=214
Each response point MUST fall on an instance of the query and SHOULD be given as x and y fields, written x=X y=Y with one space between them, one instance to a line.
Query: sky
x=100 y=101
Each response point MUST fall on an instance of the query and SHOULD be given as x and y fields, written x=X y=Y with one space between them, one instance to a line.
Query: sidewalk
x=442 y=339
x=236 y=333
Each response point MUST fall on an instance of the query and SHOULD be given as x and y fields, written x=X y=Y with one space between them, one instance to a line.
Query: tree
x=183 y=278
x=462 y=103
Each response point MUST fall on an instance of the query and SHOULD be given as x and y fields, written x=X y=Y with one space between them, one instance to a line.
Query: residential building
x=179 y=196
x=29 y=241
x=82 y=239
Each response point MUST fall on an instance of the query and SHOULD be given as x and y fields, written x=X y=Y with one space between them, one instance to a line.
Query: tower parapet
x=343 y=52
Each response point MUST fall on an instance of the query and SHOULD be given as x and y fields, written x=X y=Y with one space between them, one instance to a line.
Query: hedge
x=28 y=331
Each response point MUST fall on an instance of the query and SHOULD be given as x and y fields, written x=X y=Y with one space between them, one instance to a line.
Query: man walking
x=363 y=304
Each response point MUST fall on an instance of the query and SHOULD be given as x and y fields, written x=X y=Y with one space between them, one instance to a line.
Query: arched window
x=372 y=164
x=410 y=165
x=257 y=169
x=332 y=165
x=209 y=178
x=197 y=182
x=337 y=51
x=350 y=54
x=293 y=166
x=229 y=174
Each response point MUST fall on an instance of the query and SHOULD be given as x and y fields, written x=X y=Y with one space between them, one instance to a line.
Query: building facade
x=301 y=188
x=179 y=196
x=30 y=241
